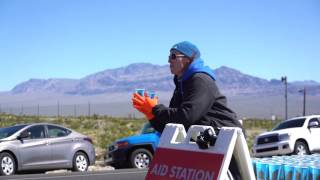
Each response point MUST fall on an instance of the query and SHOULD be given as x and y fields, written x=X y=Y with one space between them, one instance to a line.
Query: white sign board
x=177 y=157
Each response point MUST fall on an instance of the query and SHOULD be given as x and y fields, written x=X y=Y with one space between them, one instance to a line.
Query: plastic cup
x=275 y=171
x=288 y=171
x=262 y=170
x=301 y=172
x=254 y=162
x=140 y=91
x=305 y=172
x=151 y=94
x=315 y=172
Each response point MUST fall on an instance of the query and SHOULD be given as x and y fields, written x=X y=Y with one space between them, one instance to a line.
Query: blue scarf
x=197 y=66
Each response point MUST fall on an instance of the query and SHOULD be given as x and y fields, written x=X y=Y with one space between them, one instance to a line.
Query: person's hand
x=138 y=101
x=144 y=104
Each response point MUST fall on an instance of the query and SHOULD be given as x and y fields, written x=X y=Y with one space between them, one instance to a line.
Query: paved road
x=123 y=174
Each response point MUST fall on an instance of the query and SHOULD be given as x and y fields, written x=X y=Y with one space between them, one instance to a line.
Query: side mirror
x=313 y=124
x=24 y=135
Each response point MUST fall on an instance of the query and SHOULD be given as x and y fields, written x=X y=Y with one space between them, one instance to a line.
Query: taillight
x=88 y=139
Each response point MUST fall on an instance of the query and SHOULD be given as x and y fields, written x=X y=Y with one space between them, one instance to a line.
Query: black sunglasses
x=175 y=56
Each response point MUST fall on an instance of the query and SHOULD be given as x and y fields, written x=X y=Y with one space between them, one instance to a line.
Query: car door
x=315 y=134
x=34 y=150
x=61 y=145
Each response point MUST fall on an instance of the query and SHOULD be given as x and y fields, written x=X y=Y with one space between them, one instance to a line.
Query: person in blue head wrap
x=196 y=99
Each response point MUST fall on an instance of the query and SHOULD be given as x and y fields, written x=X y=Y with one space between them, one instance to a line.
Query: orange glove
x=144 y=104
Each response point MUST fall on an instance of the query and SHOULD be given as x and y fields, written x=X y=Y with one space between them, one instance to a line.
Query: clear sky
x=74 y=38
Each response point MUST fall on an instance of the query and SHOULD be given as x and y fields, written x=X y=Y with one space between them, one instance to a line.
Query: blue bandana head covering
x=188 y=49
x=197 y=66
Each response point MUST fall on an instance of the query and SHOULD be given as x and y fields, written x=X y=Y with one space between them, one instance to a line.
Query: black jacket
x=195 y=101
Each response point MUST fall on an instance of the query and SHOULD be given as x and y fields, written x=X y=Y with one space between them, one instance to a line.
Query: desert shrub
x=105 y=129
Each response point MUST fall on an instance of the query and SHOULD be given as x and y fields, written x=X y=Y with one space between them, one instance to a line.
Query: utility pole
x=284 y=80
x=304 y=100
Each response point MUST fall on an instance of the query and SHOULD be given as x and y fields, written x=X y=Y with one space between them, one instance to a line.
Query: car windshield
x=8 y=131
x=147 y=128
x=290 y=124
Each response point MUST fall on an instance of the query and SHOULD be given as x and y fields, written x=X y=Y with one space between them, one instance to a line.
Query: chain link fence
x=88 y=109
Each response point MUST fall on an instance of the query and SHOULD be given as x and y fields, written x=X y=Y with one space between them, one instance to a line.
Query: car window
x=56 y=131
x=290 y=124
x=8 y=131
x=36 y=132
x=314 y=120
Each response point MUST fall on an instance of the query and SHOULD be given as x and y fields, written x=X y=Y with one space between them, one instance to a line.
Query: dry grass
x=104 y=130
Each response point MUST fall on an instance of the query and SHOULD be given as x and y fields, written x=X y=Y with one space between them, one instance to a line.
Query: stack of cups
x=254 y=162
x=288 y=171
x=306 y=167
x=301 y=172
x=315 y=172
x=262 y=170
x=275 y=170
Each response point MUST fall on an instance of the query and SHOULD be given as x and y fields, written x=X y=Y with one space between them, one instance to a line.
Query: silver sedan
x=43 y=146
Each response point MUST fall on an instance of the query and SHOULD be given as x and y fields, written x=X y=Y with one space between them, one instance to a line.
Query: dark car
x=133 y=151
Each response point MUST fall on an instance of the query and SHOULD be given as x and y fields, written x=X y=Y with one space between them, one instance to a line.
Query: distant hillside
x=125 y=79
x=109 y=93
x=42 y=85
x=158 y=78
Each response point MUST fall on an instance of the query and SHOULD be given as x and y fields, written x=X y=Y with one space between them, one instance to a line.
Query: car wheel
x=80 y=162
x=301 y=148
x=140 y=158
x=8 y=164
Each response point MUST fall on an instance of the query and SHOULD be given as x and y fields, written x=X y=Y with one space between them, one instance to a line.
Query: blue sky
x=74 y=38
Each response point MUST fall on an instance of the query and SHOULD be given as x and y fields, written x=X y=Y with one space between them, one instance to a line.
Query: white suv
x=298 y=135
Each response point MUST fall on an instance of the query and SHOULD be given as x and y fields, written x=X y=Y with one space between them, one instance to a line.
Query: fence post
x=75 y=110
x=58 y=110
x=21 y=111
x=89 y=109
x=38 y=111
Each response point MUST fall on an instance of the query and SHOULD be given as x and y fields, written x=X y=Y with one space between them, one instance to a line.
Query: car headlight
x=283 y=137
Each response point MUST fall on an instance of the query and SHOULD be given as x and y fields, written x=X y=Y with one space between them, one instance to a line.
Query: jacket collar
x=197 y=66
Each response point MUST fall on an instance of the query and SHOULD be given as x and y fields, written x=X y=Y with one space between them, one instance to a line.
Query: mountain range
x=109 y=93
x=159 y=78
